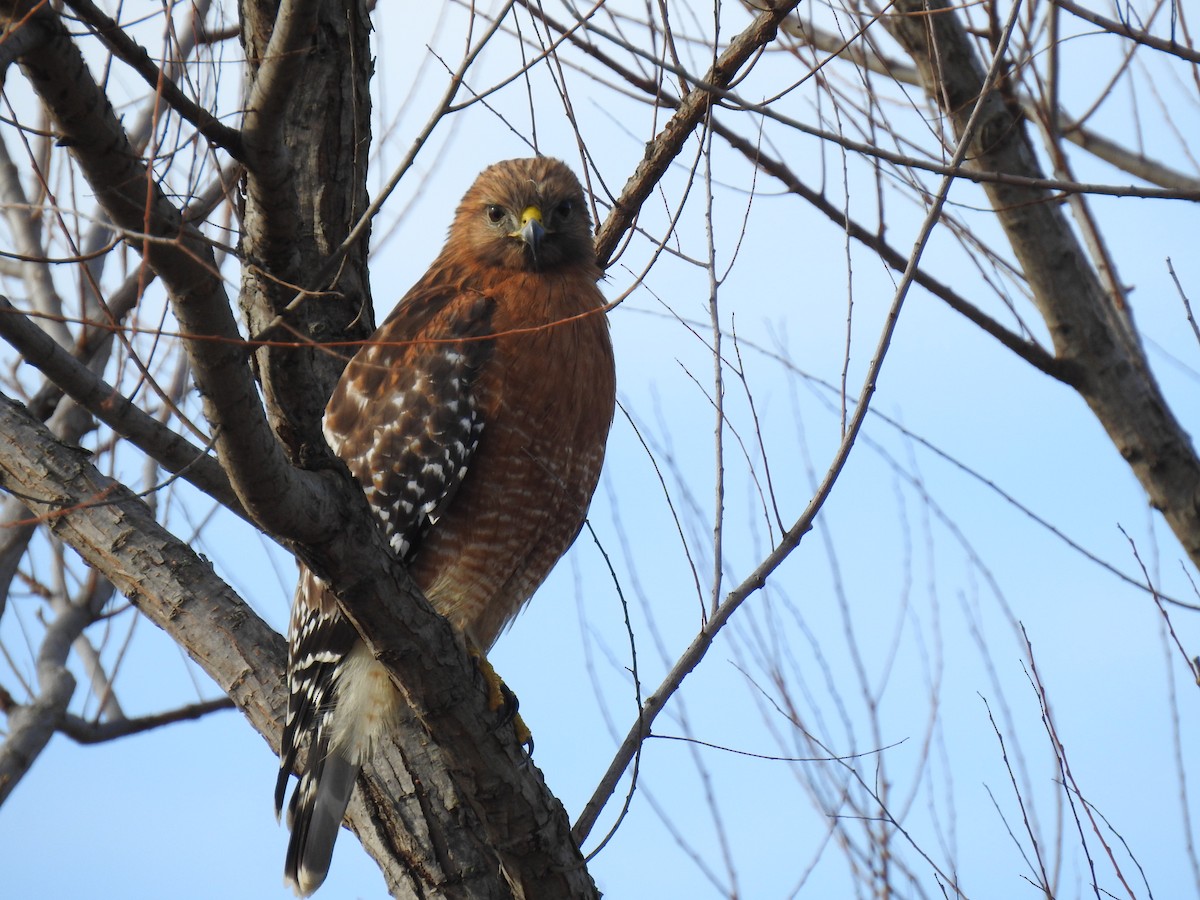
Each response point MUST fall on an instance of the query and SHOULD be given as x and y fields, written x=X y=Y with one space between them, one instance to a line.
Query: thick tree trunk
x=307 y=136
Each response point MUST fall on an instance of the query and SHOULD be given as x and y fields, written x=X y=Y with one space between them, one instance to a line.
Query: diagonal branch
x=1122 y=30
x=788 y=542
x=692 y=110
x=286 y=501
x=497 y=824
x=133 y=54
x=1030 y=351
x=1092 y=331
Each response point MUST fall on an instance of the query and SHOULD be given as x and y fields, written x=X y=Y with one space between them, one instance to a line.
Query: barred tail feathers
x=315 y=817
x=363 y=712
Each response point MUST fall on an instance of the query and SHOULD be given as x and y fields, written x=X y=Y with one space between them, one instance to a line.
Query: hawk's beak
x=531 y=229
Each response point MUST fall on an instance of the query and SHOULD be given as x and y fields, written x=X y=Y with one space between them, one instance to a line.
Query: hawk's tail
x=315 y=815
x=347 y=705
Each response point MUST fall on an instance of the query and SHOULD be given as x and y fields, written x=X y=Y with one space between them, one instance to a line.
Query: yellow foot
x=502 y=700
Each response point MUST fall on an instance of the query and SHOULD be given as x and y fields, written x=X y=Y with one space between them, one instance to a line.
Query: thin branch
x=175 y=453
x=1043 y=878
x=83 y=731
x=1187 y=304
x=1122 y=30
x=1192 y=667
x=31 y=726
x=133 y=54
x=692 y=109
x=1069 y=785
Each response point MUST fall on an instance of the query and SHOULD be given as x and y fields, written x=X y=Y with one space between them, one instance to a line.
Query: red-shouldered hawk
x=475 y=419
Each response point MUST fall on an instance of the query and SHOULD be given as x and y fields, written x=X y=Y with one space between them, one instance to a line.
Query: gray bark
x=1091 y=327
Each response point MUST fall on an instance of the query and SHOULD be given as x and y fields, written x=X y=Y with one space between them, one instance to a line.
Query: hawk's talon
x=501 y=699
x=526 y=745
x=507 y=705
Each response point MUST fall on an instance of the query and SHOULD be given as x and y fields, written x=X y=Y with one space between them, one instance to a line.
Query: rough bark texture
x=307 y=136
x=171 y=584
x=462 y=815
x=1092 y=330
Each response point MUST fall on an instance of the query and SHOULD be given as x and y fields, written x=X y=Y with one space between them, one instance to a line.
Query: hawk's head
x=525 y=214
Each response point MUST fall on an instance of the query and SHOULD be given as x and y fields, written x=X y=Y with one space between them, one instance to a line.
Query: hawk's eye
x=564 y=209
x=495 y=214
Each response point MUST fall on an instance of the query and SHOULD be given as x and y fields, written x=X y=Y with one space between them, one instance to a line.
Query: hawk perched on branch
x=475 y=419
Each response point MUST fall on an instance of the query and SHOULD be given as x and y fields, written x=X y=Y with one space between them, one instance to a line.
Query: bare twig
x=125 y=48
x=84 y=731
x=1187 y=304
x=1043 y=877
x=692 y=109
x=1189 y=661
x=1068 y=779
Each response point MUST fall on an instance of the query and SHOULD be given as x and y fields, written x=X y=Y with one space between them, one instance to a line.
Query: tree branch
x=83 y=731
x=1120 y=29
x=117 y=535
x=129 y=51
x=1092 y=331
x=285 y=501
x=692 y=109
x=31 y=726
